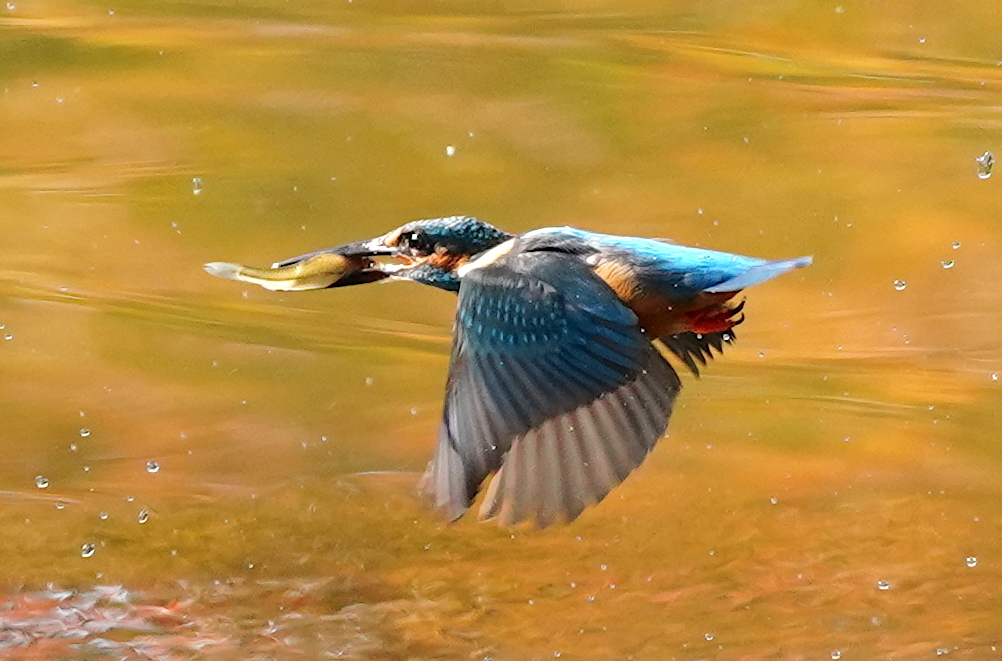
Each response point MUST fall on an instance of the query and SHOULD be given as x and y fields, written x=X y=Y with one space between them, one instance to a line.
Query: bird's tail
x=759 y=273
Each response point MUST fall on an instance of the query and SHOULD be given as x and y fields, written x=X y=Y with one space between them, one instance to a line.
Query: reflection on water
x=239 y=464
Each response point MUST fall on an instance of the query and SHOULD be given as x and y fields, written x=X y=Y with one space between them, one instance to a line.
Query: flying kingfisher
x=558 y=384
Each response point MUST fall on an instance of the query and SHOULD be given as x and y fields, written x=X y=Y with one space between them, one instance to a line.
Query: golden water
x=830 y=487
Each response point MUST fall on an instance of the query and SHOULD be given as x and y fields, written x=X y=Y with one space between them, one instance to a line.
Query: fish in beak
x=340 y=266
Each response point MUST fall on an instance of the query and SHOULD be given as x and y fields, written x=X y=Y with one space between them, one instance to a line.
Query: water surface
x=831 y=488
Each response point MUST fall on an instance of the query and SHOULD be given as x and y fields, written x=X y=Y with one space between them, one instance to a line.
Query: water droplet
x=196 y=185
x=8 y=336
x=10 y=6
x=948 y=263
x=129 y=499
x=899 y=284
x=144 y=516
x=368 y=380
x=971 y=561
x=152 y=466
x=103 y=516
x=41 y=481
x=883 y=585
x=84 y=432
x=87 y=550
x=708 y=636
x=450 y=151
x=985 y=163
x=73 y=447
x=60 y=505
x=995 y=376
x=836 y=655
x=774 y=500
x=955 y=245
x=942 y=651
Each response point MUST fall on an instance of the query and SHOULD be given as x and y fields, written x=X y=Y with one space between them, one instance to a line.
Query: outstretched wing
x=552 y=385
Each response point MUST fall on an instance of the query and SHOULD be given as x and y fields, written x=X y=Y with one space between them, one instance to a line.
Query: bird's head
x=454 y=236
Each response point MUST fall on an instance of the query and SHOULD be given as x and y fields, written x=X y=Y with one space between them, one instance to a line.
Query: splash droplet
x=196 y=185
x=971 y=561
x=899 y=284
x=883 y=585
x=152 y=467
x=84 y=432
x=87 y=550
x=41 y=481
x=948 y=263
x=985 y=163
x=836 y=655
x=144 y=516
x=955 y=245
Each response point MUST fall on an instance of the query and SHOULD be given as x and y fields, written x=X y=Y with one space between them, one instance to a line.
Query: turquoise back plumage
x=670 y=271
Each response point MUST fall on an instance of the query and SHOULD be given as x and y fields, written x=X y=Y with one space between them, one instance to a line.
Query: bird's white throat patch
x=488 y=258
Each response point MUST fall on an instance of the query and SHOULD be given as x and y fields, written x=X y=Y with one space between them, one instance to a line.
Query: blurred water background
x=194 y=468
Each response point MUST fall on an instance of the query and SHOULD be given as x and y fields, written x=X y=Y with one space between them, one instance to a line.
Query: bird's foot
x=715 y=319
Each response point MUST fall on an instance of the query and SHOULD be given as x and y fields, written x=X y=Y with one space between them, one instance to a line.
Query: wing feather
x=552 y=386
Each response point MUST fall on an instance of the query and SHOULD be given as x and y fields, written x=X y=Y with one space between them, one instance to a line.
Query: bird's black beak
x=368 y=248
x=359 y=253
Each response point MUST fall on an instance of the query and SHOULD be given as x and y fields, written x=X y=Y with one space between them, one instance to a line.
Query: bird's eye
x=417 y=242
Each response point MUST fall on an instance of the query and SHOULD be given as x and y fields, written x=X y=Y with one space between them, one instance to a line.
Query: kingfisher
x=558 y=384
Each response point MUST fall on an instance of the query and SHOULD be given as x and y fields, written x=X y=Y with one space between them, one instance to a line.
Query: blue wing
x=552 y=385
